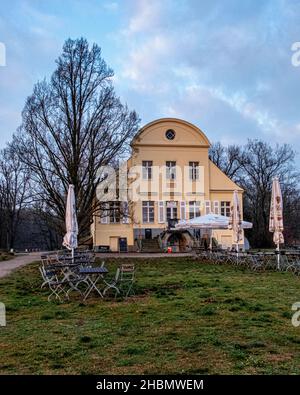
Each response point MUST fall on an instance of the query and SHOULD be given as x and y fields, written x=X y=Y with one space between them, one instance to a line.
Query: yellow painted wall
x=189 y=144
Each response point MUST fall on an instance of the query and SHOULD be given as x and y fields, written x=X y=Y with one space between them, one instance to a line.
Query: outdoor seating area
x=65 y=273
x=284 y=260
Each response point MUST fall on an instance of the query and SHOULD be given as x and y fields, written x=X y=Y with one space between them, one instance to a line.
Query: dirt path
x=6 y=267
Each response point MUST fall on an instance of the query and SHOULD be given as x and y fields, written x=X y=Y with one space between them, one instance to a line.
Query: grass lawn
x=186 y=317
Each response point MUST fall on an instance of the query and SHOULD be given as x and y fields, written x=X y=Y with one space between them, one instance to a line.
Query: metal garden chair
x=123 y=280
x=56 y=286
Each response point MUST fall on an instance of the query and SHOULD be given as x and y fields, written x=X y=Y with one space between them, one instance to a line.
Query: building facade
x=169 y=177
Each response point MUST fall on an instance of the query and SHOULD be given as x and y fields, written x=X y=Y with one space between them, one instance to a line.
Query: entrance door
x=114 y=243
x=148 y=233
x=123 y=244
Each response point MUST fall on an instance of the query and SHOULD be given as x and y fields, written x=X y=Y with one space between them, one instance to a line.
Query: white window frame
x=147 y=169
x=194 y=170
x=207 y=207
x=112 y=210
x=171 y=170
x=194 y=209
x=172 y=210
x=225 y=207
x=148 y=204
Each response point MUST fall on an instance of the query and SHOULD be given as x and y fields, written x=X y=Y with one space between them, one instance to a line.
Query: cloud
x=226 y=66
x=145 y=17
x=111 y=6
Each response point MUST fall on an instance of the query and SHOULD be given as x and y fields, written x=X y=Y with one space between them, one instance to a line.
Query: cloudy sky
x=224 y=65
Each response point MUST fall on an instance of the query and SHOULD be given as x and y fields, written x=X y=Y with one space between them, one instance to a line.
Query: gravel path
x=6 y=267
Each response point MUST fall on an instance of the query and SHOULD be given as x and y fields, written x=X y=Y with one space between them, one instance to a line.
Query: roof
x=218 y=178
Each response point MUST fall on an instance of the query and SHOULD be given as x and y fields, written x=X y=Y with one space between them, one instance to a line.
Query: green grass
x=186 y=317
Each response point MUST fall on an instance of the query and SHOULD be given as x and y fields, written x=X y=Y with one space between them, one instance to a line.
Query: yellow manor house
x=169 y=177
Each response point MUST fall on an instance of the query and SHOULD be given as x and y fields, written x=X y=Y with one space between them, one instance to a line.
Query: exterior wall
x=105 y=233
x=189 y=144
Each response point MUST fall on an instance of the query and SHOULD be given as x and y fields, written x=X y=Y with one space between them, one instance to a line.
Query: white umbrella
x=276 y=217
x=235 y=221
x=70 y=239
x=209 y=221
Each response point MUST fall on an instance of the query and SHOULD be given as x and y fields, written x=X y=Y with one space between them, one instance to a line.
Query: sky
x=224 y=65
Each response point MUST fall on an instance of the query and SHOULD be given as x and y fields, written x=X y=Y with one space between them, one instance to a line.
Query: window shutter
x=217 y=207
x=198 y=209
x=125 y=208
x=207 y=207
x=104 y=215
x=182 y=210
x=161 y=212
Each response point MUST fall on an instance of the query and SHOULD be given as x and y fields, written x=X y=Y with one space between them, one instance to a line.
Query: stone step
x=150 y=245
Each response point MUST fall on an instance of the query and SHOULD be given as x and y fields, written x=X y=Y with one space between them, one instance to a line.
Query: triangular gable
x=219 y=181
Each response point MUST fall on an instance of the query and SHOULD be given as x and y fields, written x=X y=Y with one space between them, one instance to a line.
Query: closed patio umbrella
x=276 y=217
x=70 y=239
x=235 y=221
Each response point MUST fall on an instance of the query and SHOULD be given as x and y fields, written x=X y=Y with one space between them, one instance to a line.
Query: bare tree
x=261 y=163
x=15 y=194
x=228 y=159
x=73 y=125
x=253 y=167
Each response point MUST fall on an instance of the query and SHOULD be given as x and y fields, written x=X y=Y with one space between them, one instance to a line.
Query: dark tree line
x=253 y=167
x=15 y=195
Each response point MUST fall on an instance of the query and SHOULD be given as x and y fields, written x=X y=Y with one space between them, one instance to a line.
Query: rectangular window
x=194 y=209
x=171 y=170
x=171 y=210
x=194 y=170
x=147 y=169
x=207 y=207
x=225 y=209
x=148 y=211
x=114 y=212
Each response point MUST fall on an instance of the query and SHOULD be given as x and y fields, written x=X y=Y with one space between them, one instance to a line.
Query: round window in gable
x=170 y=134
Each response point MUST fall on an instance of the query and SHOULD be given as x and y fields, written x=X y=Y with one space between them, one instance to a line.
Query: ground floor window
x=194 y=209
x=171 y=210
x=148 y=211
x=225 y=209
x=114 y=212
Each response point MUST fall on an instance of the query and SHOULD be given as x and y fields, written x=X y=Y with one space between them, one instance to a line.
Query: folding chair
x=123 y=281
x=55 y=285
x=127 y=272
